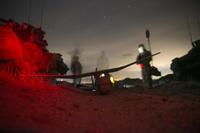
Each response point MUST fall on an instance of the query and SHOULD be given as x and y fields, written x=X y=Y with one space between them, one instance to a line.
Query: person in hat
x=143 y=60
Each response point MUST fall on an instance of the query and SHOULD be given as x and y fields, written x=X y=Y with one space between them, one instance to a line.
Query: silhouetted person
x=143 y=59
x=102 y=61
x=76 y=69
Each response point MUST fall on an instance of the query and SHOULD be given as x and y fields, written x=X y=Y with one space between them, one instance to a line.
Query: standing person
x=76 y=69
x=143 y=59
x=102 y=61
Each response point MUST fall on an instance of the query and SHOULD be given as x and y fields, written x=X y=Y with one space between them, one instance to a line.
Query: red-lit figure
x=143 y=59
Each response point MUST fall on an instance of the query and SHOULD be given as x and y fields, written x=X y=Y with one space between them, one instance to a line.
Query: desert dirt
x=173 y=108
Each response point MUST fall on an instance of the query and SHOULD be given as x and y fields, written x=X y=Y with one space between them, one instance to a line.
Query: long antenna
x=29 y=10
x=198 y=23
x=42 y=13
x=148 y=41
x=189 y=30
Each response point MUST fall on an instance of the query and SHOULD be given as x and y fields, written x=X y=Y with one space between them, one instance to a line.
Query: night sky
x=113 y=26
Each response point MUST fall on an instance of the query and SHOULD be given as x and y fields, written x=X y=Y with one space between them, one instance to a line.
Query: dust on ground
x=172 y=108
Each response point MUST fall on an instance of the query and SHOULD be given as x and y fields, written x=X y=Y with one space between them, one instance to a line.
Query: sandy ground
x=52 y=109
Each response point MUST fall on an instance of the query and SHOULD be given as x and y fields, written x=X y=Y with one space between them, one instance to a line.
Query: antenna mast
x=148 y=41
x=198 y=23
x=29 y=10
x=42 y=13
x=189 y=30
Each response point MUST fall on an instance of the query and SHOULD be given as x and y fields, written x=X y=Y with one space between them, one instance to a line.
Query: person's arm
x=81 y=68
x=72 y=68
x=138 y=59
